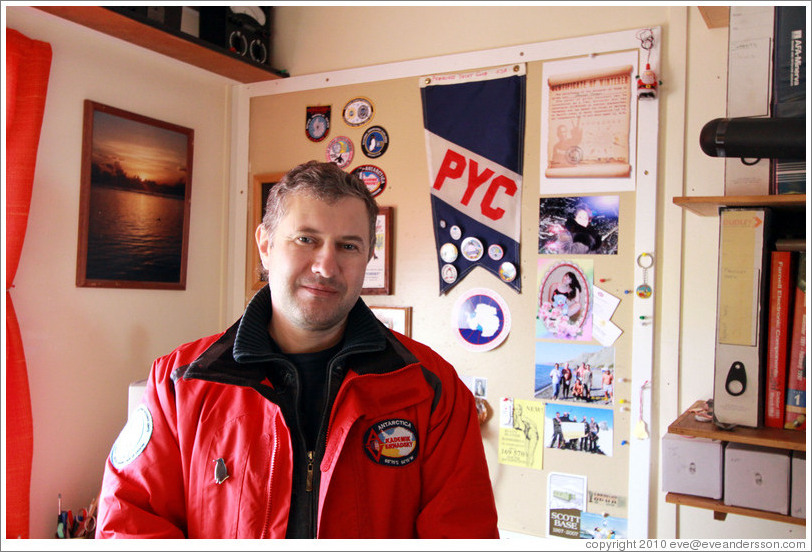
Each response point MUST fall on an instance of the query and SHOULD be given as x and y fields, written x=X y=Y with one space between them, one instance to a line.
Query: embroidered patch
x=133 y=439
x=391 y=442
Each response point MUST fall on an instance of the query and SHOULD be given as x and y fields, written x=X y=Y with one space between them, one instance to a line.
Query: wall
x=84 y=345
x=694 y=75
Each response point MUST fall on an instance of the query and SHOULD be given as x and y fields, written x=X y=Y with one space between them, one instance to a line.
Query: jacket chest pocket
x=230 y=496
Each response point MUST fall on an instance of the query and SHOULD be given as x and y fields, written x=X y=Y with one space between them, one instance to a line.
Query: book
x=795 y=409
x=745 y=236
x=782 y=286
x=788 y=176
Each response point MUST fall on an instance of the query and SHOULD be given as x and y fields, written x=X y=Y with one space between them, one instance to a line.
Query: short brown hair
x=324 y=181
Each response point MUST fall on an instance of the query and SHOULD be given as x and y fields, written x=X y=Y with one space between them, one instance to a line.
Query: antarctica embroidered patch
x=391 y=442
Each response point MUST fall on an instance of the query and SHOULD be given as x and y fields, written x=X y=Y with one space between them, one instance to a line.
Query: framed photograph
x=395 y=318
x=378 y=279
x=135 y=199
x=255 y=275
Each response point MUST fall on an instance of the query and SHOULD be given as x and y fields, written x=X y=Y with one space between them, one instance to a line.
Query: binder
x=741 y=323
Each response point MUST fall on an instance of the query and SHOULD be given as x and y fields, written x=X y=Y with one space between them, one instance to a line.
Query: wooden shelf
x=720 y=509
x=708 y=206
x=765 y=436
x=786 y=439
x=716 y=17
x=185 y=48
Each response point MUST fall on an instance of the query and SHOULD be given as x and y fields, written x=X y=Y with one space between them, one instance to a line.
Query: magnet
x=448 y=252
x=449 y=273
x=472 y=249
x=456 y=232
x=507 y=271
x=495 y=252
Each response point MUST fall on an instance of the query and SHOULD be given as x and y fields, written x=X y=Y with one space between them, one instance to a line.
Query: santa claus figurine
x=647 y=83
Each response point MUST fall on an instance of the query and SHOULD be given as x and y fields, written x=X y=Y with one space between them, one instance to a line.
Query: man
x=593 y=435
x=558 y=435
x=566 y=378
x=307 y=418
x=555 y=380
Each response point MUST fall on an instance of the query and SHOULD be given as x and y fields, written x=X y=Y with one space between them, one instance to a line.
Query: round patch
x=340 y=151
x=391 y=442
x=481 y=319
x=133 y=439
x=472 y=249
x=456 y=232
x=372 y=176
x=358 y=111
x=374 y=142
x=448 y=252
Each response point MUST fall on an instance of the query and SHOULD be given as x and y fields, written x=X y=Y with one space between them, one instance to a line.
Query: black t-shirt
x=312 y=370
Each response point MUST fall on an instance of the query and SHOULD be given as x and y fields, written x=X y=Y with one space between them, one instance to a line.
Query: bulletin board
x=606 y=482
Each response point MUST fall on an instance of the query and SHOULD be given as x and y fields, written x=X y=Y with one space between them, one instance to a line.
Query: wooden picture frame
x=135 y=200
x=395 y=318
x=378 y=278
x=255 y=275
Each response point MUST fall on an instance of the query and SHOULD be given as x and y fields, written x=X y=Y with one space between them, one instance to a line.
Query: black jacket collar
x=241 y=355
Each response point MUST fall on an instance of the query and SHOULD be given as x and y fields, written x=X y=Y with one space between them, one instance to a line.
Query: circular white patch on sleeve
x=133 y=439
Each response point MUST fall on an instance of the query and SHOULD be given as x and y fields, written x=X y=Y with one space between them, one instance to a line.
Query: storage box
x=797 y=507
x=757 y=477
x=692 y=465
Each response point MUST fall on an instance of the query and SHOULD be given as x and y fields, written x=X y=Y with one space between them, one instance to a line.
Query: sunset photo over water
x=137 y=201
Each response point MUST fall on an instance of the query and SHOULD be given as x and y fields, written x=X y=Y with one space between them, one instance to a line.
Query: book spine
x=795 y=409
x=782 y=284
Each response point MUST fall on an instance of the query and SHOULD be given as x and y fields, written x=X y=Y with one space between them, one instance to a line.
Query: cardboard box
x=741 y=324
x=693 y=465
x=757 y=477
x=797 y=504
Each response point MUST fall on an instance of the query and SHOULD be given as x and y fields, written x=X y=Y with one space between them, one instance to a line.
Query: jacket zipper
x=309 y=484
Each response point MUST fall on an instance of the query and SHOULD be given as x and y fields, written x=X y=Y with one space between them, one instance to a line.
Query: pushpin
x=624 y=442
x=604 y=280
x=627 y=291
x=623 y=401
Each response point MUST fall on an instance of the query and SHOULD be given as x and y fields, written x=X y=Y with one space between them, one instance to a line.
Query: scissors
x=86 y=524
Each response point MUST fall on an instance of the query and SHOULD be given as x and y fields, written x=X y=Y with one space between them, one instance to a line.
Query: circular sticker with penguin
x=374 y=141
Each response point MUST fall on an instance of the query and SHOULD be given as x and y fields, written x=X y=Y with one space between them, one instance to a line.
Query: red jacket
x=402 y=455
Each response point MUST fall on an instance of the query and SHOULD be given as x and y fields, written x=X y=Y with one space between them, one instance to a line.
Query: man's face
x=316 y=262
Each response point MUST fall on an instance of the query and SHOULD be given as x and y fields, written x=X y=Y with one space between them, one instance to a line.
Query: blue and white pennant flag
x=474 y=124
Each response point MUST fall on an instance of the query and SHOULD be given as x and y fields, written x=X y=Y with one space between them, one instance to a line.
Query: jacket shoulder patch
x=133 y=439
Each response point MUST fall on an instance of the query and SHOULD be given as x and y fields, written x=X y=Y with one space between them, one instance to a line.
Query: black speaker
x=245 y=31
x=755 y=137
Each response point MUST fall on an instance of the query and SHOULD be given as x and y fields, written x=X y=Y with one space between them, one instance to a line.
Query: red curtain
x=28 y=66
